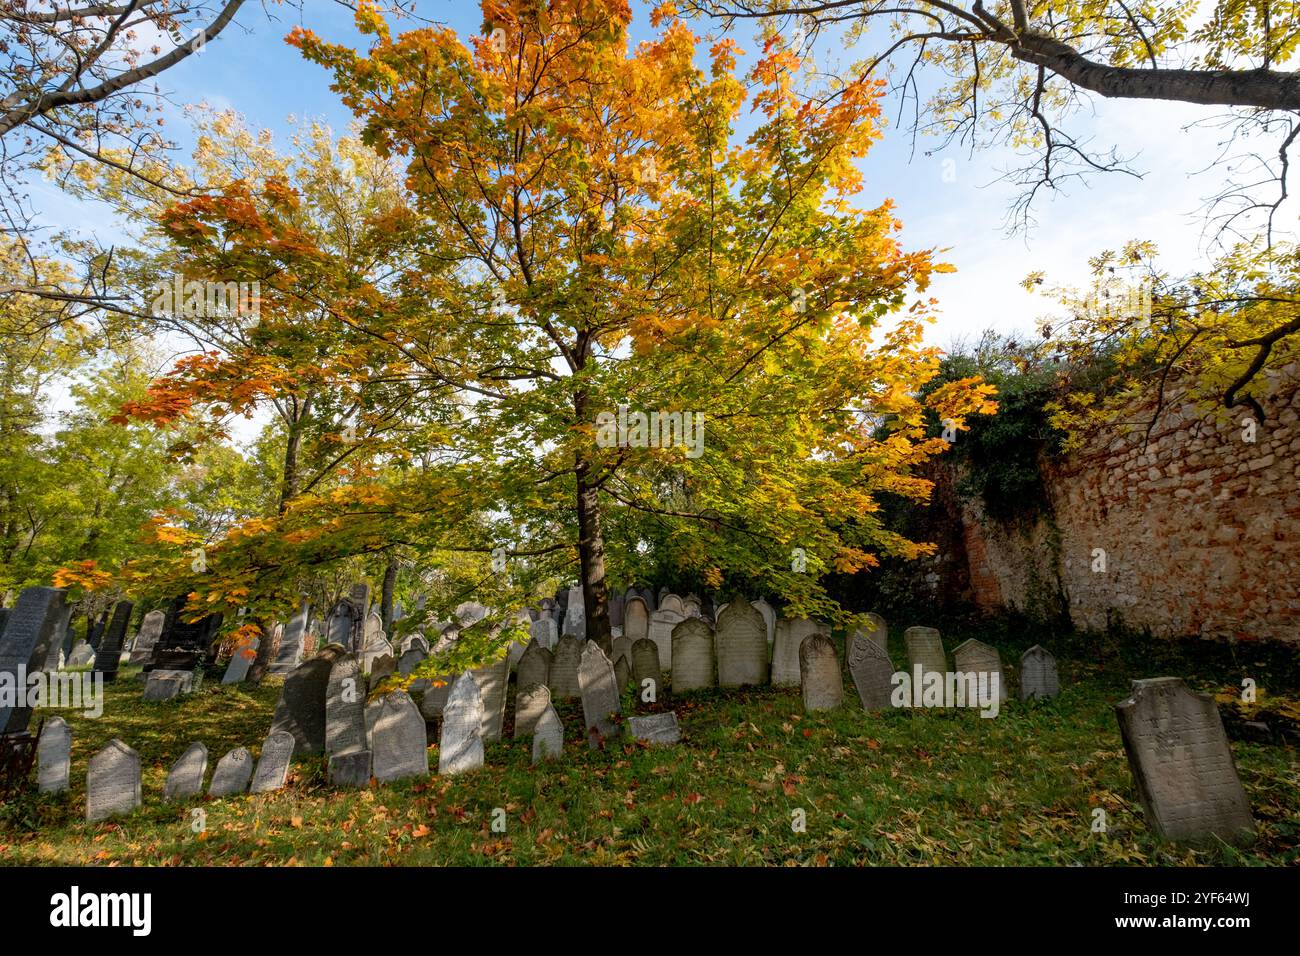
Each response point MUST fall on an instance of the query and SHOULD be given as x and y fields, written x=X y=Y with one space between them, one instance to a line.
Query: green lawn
x=904 y=787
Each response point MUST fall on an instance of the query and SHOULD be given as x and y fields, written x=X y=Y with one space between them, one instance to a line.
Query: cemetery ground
x=902 y=787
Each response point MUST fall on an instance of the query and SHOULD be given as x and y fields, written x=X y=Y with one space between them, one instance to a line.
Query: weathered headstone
x=534 y=666
x=976 y=657
x=530 y=703
x=741 y=646
x=924 y=647
x=662 y=623
x=241 y=661
x=166 y=684
x=345 y=702
x=821 y=681
x=398 y=743
x=694 y=663
x=273 y=763
x=83 y=655
x=1038 y=677
x=872 y=673
x=655 y=728
x=790 y=635
x=185 y=779
x=112 y=782
x=548 y=736
x=636 y=619
x=145 y=638
x=493 y=681
x=564 y=668
x=600 y=697
x=292 y=640
x=301 y=708
x=109 y=656
x=645 y=666
x=24 y=646
x=54 y=756
x=460 y=747
x=233 y=773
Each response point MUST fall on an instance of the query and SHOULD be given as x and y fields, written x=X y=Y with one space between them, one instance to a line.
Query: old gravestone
x=544 y=632
x=493 y=681
x=741 y=646
x=109 y=656
x=548 y=736
x=398 y=744
x=241 y=661
x=1038 y=677
x=622 y=672
x=54 y=756
x=185 y=778
x=790 y=635
x=345 y=701
x=534 y=666
x=976 y=657
x=872 y=673
x=273 y=763
x=659 y=729
x=636 y=619
x=301 y=708
x=645 y=666
x=145 y=638
x=925 y=649
x=694 y=666
x=292 y=639
x=821 y=681
x=25 y=643
x=662 y=623
x=564 y=668
x=460 y=746
x=530 y=703
x=233 y=773
x=112 y=782
x=600 y=698
x=1180 y=759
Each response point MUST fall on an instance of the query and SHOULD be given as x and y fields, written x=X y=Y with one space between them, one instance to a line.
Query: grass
x=898 y=788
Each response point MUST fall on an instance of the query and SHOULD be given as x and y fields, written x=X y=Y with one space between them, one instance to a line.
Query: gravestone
x=548 y=736
x=24 y=645
x=1182 y=765
x=241 y=661
x=345 y=702
x=924 y=648
x=622 y=672
x=54 y=756
x=185 y=779
x=661 y=729
x=790 y=635
x=290 y=652
x=534 y=666
x=645 y=666
x=167 y=684
x=741 y=646
x=109 y=656
x=600 y=697
x=544 y=632
x=662 y=623
x=694 y=666
x=530 y=703
x=769 y=619
x=351 y=769
x=821 y=681
x=976 y=657
x=112 y=782
x=145 y=638
x=564 y=668
x=460 y=746
x=301 y=708
x=1038 y=677
x=83 y=655
x=398 y=743
x=493 y=682
x=636 y=619
x=233 y=773
x=273 y=763
x=872 y=673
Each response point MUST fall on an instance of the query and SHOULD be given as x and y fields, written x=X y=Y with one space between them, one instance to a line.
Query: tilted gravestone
x=645 y=666
x=976 y=657
x=564 y=668
x=694 y=665
x=662 y=623
x=548 y=736
x=530 y=703
x=1038 y=677
x=290 y=653
x=820 y=679
x=600 y=697
x=534 y=666
x=398 y=744
x=460 y=746
x=790 y=635
x=145 y=639
x=24 y=645
x=272 y=771
x=301 y=708
x=660 y=729
x=345 y=702
x=54 y=756
x=872 y=673
x=233 y=773
x=924 y=647
x=185 y=778
x=112 y=782
x=493 y=681
x=109 y=656
x=741 y=646
x=241 y=661
x=636 y=619
x=1181 y=762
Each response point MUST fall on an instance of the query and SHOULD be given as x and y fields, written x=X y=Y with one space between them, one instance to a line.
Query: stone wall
x=1200 y=529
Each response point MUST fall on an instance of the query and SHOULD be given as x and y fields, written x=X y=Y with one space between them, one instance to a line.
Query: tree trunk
x=386 y=595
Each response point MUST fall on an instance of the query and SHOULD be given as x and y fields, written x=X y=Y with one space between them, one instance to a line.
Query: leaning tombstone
x=873 y=674
x=1038 y=677
x=185 y=779
x=54 y=756
x=272 y=771
x=548 y=736
x=924 y=650
x=741 y=646
x=600 y=697
x=112 y=782
x=233 y=773
x=820 y=679
x=398 y=743
x=460 y=748
x=694 y=666
x=976 y=657
x=790 y=635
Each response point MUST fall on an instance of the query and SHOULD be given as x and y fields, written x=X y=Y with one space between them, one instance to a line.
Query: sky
x=949 y=201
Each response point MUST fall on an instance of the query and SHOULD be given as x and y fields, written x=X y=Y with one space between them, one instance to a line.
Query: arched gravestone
x=1038 y=676
x=564 y=668
x=645 y=666
x=769 y=619
x=636 y=619
x=273 y=763
x=530 y=703
x=821 y=682
x=460 y=747
x=741 y=646
x=924 y=648
x=872 y=673
x=233 y=774
x=790 y=635
x=398 y=746
x=694 y=667
x=976 y=657
x=534 y=666
x=345 y=702
x=662 y=623
x=301 y=708
x=54 y=756
x=112 y=782
x=1182 y=764
x=600 y=697
x=185 y=779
